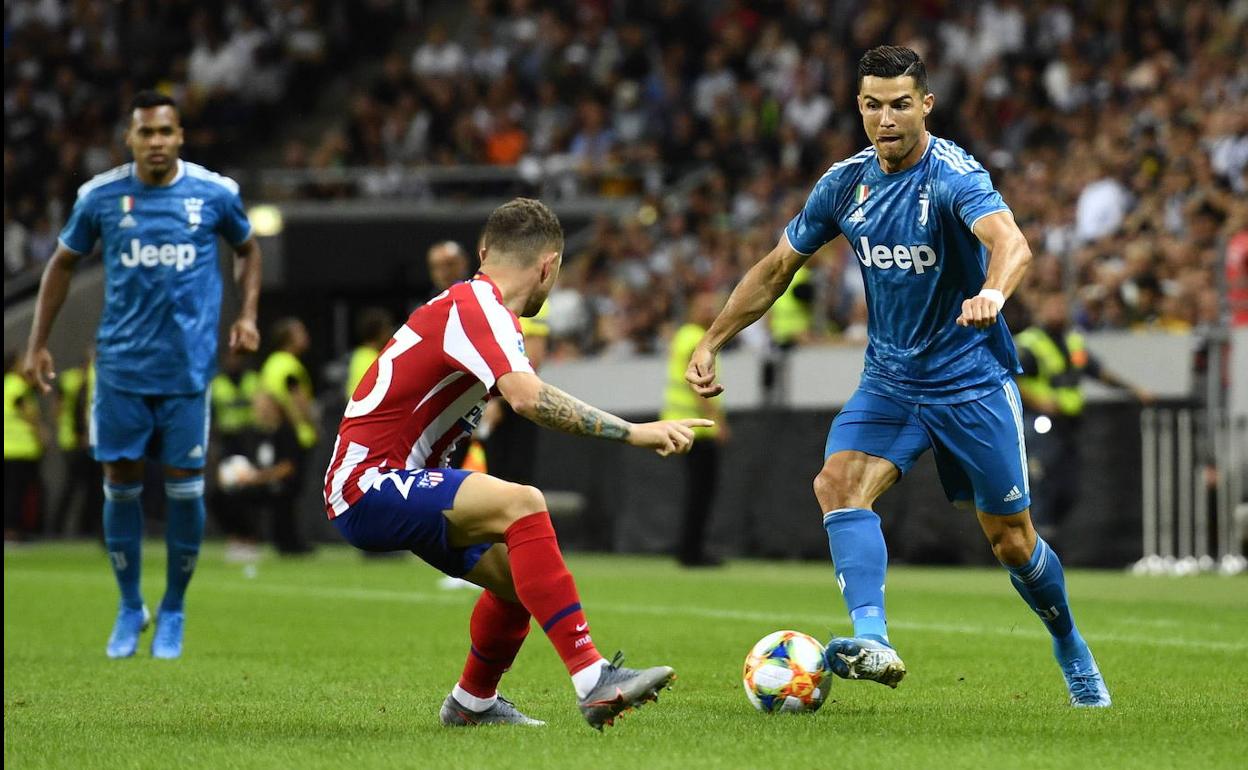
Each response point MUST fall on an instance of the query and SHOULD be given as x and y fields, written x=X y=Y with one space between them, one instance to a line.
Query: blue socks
x=860 y=559
x=123 y=536
x=184 y=531
x=1042 y=584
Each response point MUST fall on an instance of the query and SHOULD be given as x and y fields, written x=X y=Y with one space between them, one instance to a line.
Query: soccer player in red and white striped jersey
x=387 y=487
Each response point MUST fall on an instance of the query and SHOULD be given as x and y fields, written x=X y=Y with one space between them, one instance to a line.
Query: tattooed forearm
x=556 y=409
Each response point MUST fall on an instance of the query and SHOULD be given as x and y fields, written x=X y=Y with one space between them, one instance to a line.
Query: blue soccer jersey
x=911 y=232
x=162 y=295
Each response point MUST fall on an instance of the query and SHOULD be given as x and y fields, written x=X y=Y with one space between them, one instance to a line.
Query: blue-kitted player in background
x=158 y=219
x=939 y=366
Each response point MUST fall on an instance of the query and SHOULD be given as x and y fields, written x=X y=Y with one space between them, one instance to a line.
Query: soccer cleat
x=1084 y=681
x=863 y=658
x=124 y=640
x=503 y=712
x=167 y=641
x=620 y=689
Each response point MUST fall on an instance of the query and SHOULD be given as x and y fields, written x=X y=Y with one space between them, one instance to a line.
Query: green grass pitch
x=336 y=662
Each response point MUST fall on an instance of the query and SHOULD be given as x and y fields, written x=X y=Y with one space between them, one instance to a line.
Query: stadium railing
x=1192 y=517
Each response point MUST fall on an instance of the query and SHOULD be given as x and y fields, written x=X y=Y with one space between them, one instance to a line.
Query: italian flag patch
x=127 y=204
x=860 y=195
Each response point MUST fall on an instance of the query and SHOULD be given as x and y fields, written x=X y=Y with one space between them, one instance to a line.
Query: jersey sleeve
x=83 y=227
x=815 y=224
x=482 y=337
x=972 y=196
x=233 y=223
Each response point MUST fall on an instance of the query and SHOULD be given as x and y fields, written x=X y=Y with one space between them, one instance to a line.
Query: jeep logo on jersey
x=916 y=258
x=179 y=256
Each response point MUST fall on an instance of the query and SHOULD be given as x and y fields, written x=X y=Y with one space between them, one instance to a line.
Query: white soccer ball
x=234 y=471
x=786 y=671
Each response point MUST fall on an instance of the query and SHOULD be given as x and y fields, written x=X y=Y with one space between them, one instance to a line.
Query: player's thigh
x=493 y=572
x=981 y=452
x=486 y=506
x=121 y=427
x=183 y=423
x=872 y=442
x=405 y=510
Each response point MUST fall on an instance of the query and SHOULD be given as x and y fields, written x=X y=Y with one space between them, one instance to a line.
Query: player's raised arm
x=757 y=291
x=1008 y=259
x=244 y=334
x=550 y=407
x=37 y=364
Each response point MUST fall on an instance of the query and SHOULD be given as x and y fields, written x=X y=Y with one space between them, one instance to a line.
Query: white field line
x=776 y=619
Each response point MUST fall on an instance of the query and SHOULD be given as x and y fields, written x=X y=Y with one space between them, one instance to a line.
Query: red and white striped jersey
x=426 y=390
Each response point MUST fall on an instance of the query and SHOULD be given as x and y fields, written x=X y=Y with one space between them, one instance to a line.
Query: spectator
x=24 y=440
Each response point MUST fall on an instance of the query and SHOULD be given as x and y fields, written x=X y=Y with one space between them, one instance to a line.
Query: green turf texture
x=336 y=662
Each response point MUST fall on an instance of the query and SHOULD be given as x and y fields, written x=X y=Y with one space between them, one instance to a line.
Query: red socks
x=497 y=630
x=547 y=590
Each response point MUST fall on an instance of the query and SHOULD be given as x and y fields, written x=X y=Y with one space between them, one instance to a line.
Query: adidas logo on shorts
x=1013 y=495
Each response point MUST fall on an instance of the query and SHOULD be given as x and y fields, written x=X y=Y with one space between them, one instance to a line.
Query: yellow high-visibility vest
x=73 y=386
x=1056 y=377
x=279 y=368
x=361 y=358
x=791 y=317
x=231 y=401
x=21 y=435
x=679 y=400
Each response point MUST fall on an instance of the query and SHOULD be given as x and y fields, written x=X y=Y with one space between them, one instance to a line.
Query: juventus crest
x=194 y=207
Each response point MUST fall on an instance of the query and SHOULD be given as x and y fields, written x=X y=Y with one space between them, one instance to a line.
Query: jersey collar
x=879 y=173
x=177 y=175
x=493 y=286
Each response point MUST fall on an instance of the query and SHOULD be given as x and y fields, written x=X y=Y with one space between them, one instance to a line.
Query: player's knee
x=834 y=489
x=522 y=500
x=1011 y=545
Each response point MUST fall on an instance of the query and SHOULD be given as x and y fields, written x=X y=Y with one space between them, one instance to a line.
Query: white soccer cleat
x=861 y=658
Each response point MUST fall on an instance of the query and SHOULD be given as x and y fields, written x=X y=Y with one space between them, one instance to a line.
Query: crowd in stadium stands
x=1116 y=131
x=71 y=67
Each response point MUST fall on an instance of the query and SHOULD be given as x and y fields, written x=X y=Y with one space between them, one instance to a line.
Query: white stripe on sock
x=587 y=678
x=472 y=702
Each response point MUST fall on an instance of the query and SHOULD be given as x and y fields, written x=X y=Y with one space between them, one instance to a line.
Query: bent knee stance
x=1012 y=544
x=521 y=500
x=836 y=488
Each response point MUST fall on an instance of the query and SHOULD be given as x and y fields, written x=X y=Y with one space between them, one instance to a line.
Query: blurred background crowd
x=1117 y=132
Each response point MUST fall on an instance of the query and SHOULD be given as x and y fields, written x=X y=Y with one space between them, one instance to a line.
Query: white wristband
x=994 y=295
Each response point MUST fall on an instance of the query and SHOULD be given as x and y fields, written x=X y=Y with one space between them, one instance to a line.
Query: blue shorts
x=132 y=426
x=979 y=447
x=402 y=511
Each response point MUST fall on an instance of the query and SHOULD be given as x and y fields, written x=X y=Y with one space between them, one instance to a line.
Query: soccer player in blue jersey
x=940 y=253
x=158 y=219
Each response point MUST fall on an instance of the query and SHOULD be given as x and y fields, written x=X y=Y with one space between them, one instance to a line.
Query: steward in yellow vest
x=233 y=391
x=286 y=379
x=702 y=463
x=1055 y=359
x=792 y=315
x=374 y=328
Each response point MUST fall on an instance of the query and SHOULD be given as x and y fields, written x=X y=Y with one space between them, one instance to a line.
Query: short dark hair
x=283 y=331
x=893 y=61
x=149 y=98
x=520 y=230
x=373 y=323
